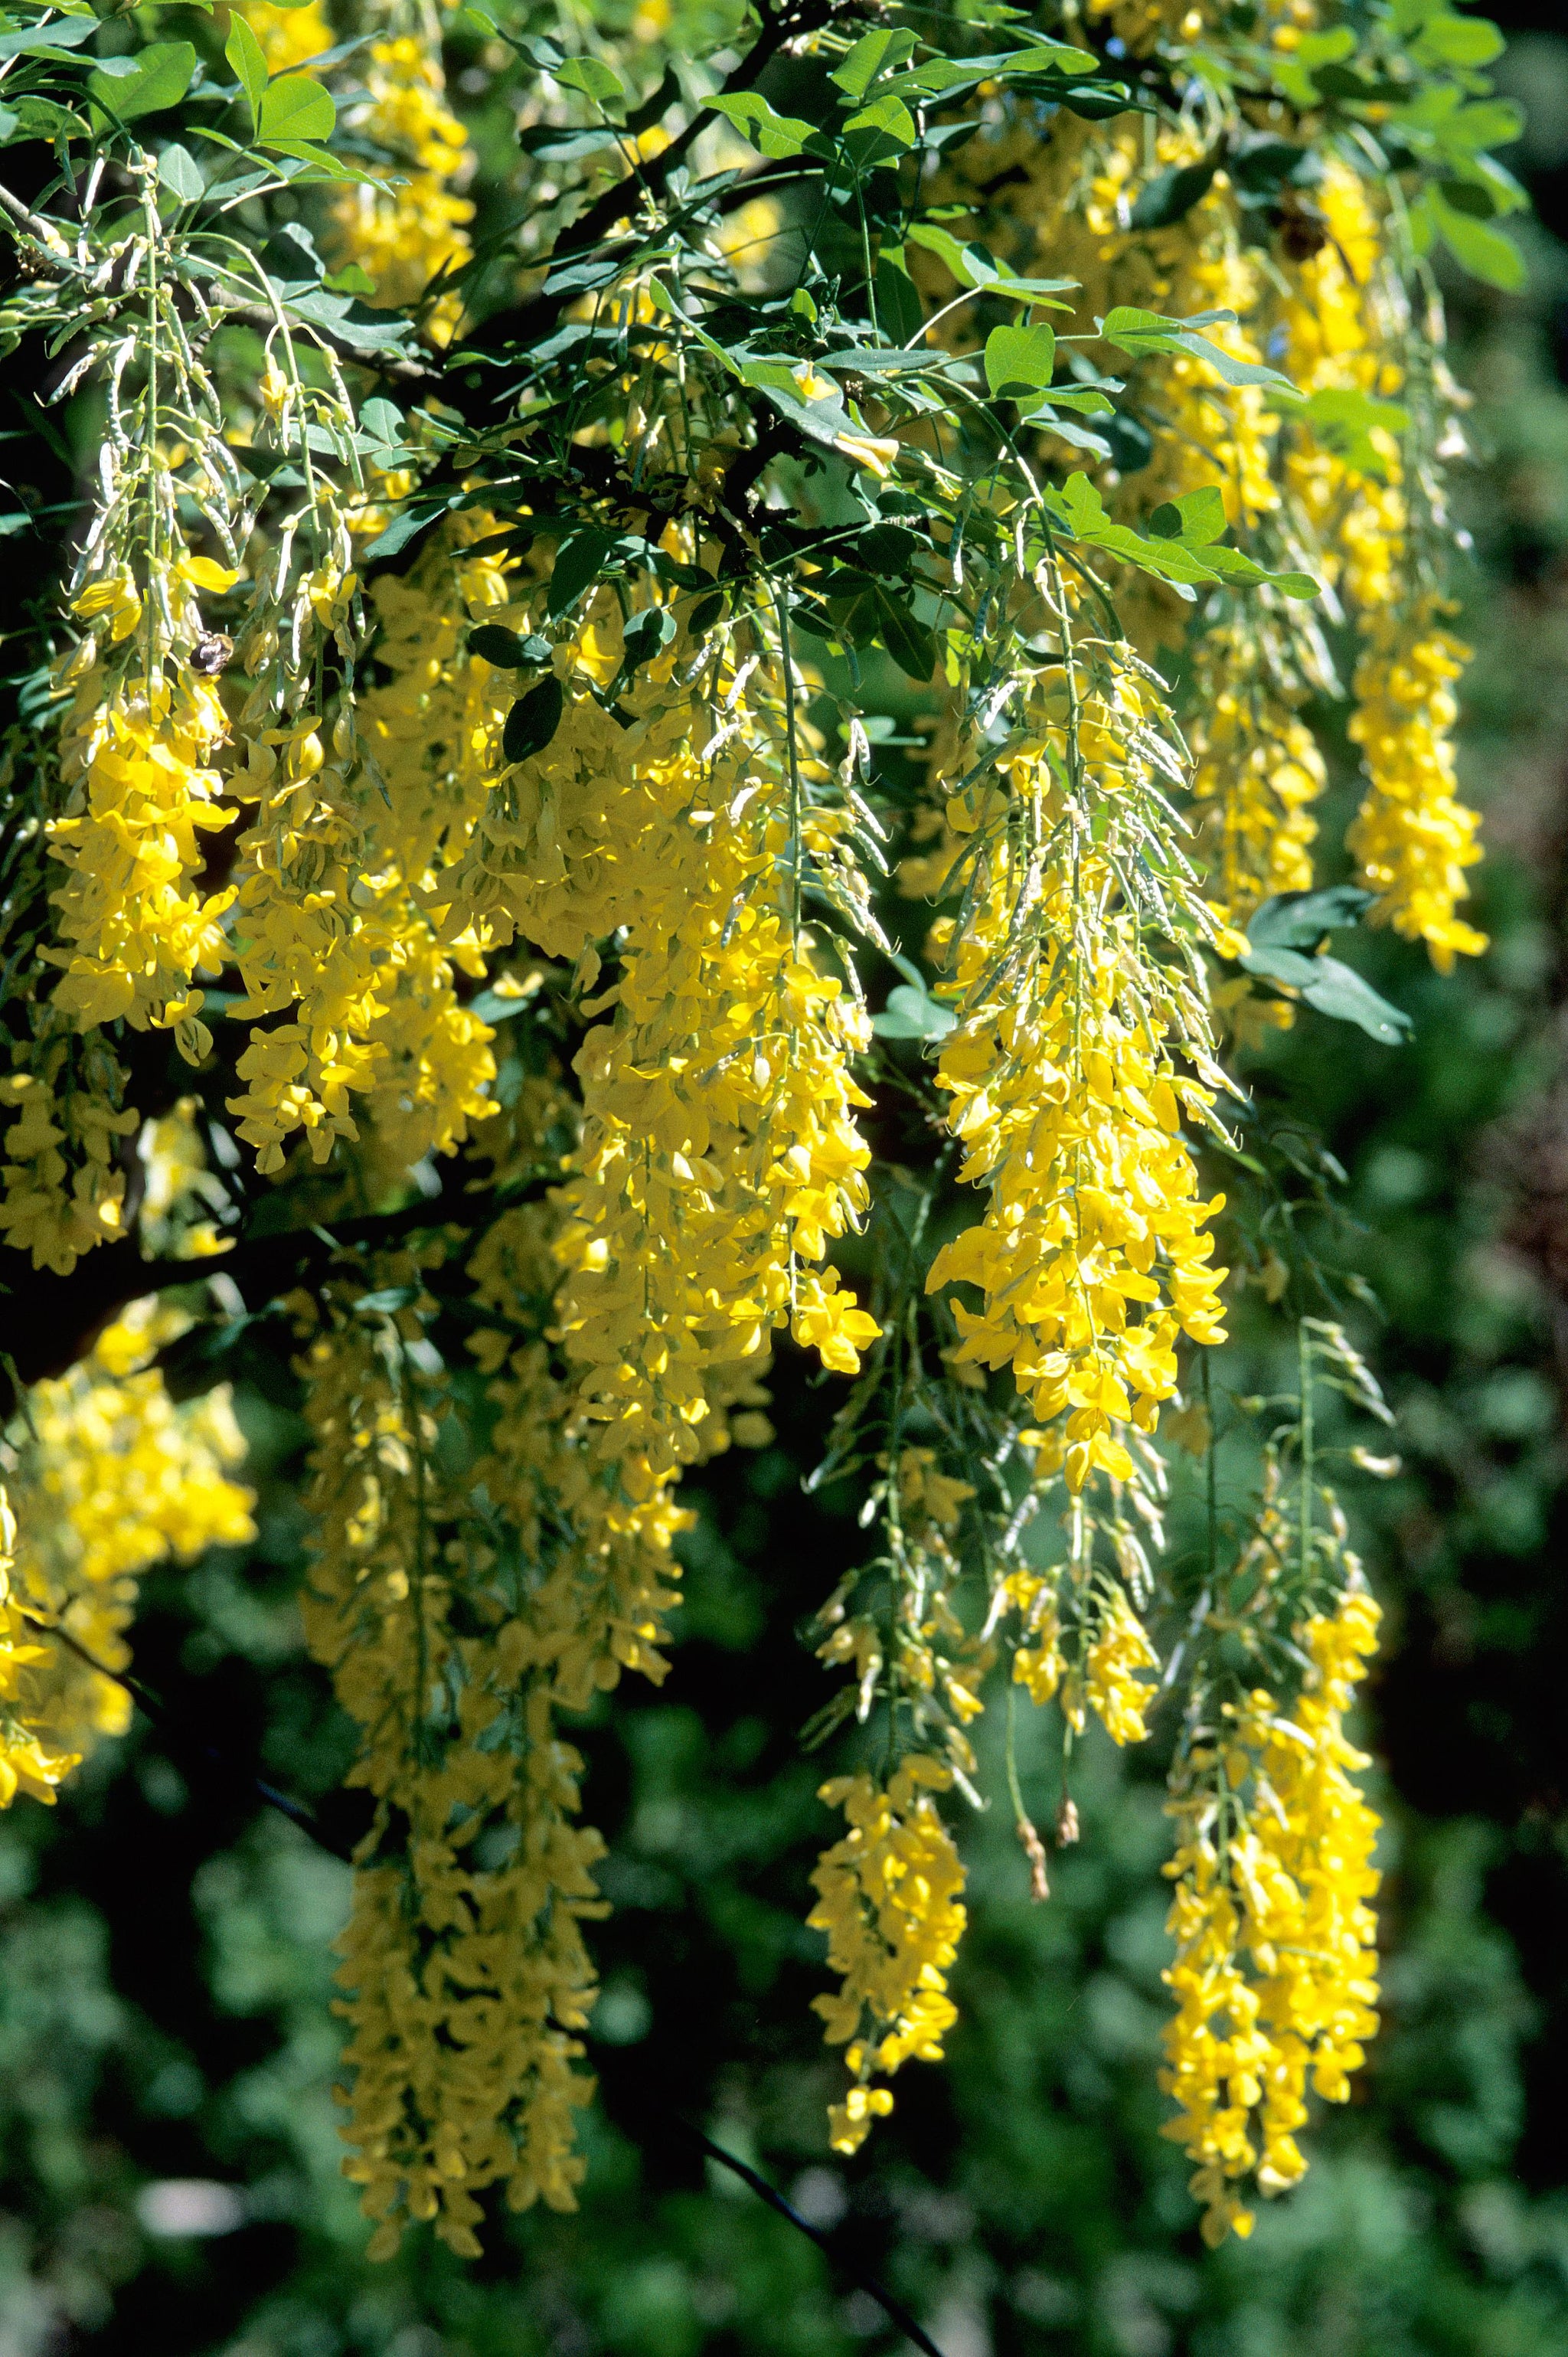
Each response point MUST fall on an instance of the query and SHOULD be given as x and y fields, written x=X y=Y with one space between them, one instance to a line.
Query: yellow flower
x=133 y=923
x=110 y=1477
x=1413 y=837
x=888 y=1900
x=1275 y=1974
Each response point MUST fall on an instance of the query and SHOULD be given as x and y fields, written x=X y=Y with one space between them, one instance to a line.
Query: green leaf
x=1196 y=520
x=1458 y=41
x=1333 y=989
x=900 y=314
x=1300 y=920
x=910 y=644
x=886 y=548
x=1488 y=253
x=1142 y=332
x=778 y=136
x=40 y=118
x=970 y=264
x=871 y=54
x=1177 y=552
x=1344 y=422
x=404 y=526
x=380 y=420
x=1088 y=401
x=387 y=1298
x=594 y=79
x=1171 y=195
x=645 y=636
x=37 y=41
x=293 y=109
x=888 y=116
x=179 y=171
x=499 y=1005
x=949 y=78
x=160 y=78
x=912 y=1014
x=533 y=720
x=505 y=649
x=577 y=562
x=1020 y=360
x=249 y=62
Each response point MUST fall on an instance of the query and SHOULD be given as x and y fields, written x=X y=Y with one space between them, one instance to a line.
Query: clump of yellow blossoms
x=406 y=233
x=1412 y=837
x=1275 y=1975
x=290 y=37
x=109 y=1477
x=1258 y=771
x=889 y=1902
x=63 y=1185
x=1093 y=1256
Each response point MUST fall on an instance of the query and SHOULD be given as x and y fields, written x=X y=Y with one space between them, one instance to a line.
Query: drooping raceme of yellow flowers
x=1326 y=314
x=1275 y=1975
x=134 y=931
x=327 y=928
x=1257 y=772
x=29 y=1763
x=1092 y=1255
x=107 y=1477
x=1413 y=837
x=405 y=234
x=465 y=1973
x=719 y=1156
x=63 y=1186
x=889 y=1902
x=1106 y=1670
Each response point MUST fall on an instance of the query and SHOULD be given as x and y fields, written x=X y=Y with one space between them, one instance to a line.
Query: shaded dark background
x=167 y=2147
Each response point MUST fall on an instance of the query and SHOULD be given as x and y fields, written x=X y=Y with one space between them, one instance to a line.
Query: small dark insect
x=1304 y=231
x=213 y=653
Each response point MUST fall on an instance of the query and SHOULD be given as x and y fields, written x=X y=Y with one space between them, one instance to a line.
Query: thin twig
x=162 y=1717
x=885 y=2299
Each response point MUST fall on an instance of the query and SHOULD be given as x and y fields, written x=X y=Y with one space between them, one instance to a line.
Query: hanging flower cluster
x=1275 y=1974
x=1412 y=837
x=108 y=1478
x=890 y=1904
x=463 y=1960
x=409 y=226
x=1093 y=1256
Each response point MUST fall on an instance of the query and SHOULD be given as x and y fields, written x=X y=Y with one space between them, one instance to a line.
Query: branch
x=163 y=1718
x=42 y=233
x=893 y=2307
x=55 y=1320
x=535 y=319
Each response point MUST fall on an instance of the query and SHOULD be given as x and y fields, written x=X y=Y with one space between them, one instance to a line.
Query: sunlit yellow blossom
x=62 y=1184
x=890 y=1906
x=1413 y=837
x=109 y=1476
x=289 y=36
x=135 y=926
x=405 y=232
x=1068 y=1104
x=1275 y=1976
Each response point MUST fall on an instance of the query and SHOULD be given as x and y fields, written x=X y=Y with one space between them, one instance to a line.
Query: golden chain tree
x=865 y=516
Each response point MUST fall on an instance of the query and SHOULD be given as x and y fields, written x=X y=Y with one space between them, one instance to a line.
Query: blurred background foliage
x=167 y=2148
